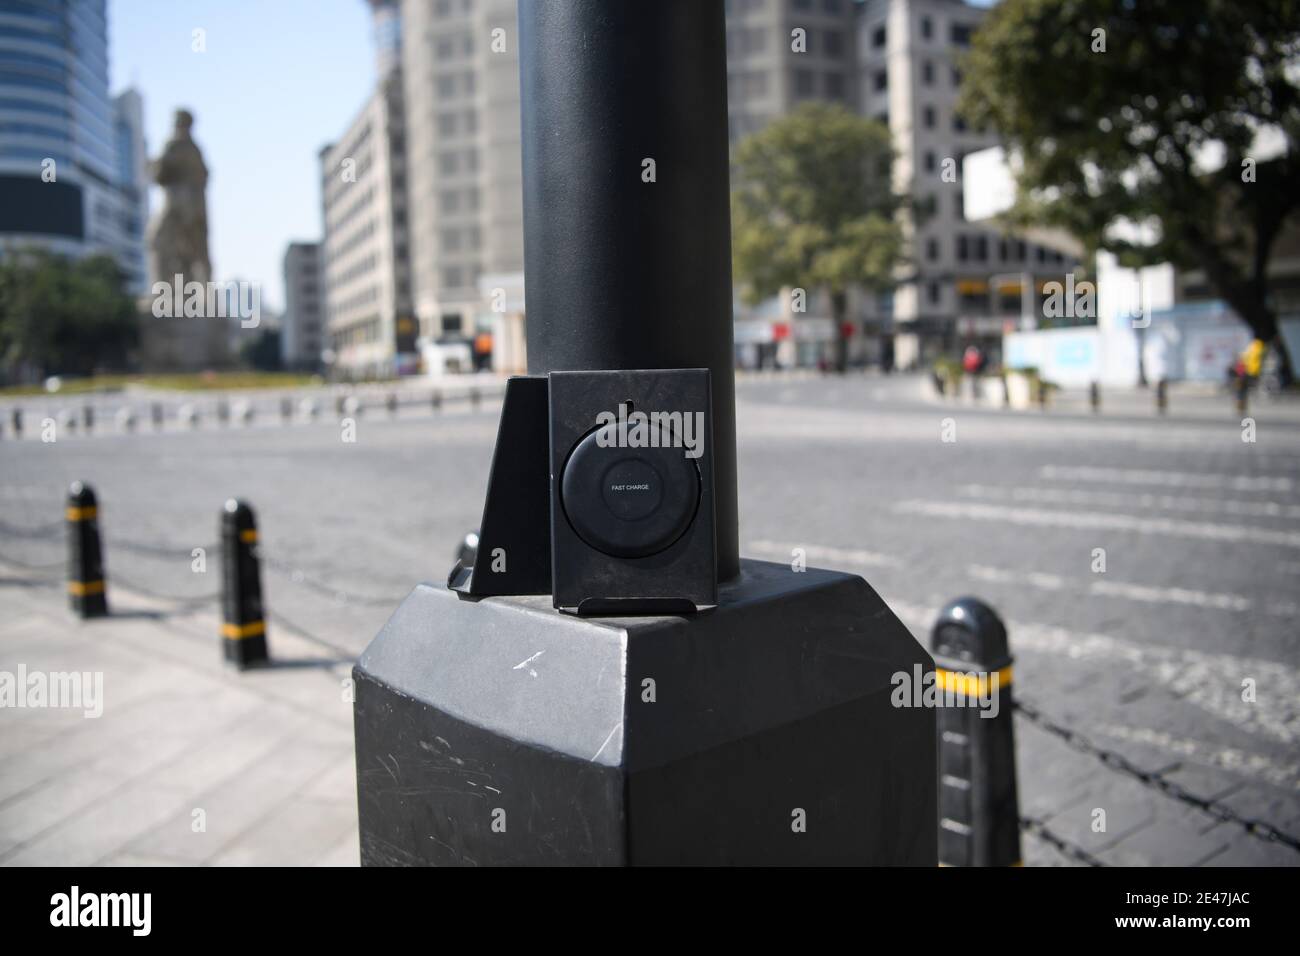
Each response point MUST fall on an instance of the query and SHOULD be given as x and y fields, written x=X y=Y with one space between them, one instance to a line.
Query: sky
x=278 y=80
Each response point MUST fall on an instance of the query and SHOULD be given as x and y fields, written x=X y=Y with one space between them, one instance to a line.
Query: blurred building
x=132 y=158
x=386 y=34
x=894 y=61
x=967 y=281
x=461 y=72
x=771 y=68
x=366 y=279
x=302 y=328
x=72 y=166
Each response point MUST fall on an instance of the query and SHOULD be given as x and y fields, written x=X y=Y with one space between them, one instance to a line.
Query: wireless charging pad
x=632 y=528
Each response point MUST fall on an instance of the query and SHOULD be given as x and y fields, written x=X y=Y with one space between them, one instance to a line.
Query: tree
x=59 y=315
x=1148 y=111
x=812 y=207
x=263 y=352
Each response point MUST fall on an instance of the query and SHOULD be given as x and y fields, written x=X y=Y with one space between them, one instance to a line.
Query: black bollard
x=435 y=402
x=338 y=404
x=1162 y=396
x=243 y=628
x=223 y=411
x=1042 y=394
x=390 y=403
x=979 y=815
x=1243 y=394
x=88 y=417
x=1094 y=397
x=286 y=408
x=474 y=399
x=156 y=414
x=87 y=591
x=16 y=420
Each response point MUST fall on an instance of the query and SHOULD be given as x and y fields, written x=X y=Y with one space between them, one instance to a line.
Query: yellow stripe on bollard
x=81 y=514
x=82 y=588
x=237 y=632
x=248 y=535
x=970 y=685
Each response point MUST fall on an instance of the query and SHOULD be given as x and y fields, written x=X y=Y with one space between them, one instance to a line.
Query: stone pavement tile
x=1273 y=805
x=1036 y=852
x=18 y=737
x=1246 y=850
x=132 y=859
x=1174 y=839
x=77 y=789
x=1128 y=808
x=339 y=783
x=230 y=749
x=102 y=830
x=1050 y=776
x=301 y=832
x=192 y=713
x=347 y=852
x=1209 y=782
x=26 y=632
x=317 y=691
x=237 y=803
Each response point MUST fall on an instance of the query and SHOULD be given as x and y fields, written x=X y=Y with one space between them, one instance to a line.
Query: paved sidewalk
x=190 y=762
x=1186 y=401
x=264 y=759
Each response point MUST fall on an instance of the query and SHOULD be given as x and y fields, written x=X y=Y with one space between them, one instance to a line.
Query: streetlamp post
x=768 y=729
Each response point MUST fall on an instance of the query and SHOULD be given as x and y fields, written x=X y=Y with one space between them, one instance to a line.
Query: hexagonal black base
x=503 y=732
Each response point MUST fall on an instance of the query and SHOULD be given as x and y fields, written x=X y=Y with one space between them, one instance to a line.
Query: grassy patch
x=195 y=382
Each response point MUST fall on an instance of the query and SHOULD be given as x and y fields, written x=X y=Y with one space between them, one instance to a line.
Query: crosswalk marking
x=1169 y=479
x=1099 y=521
x=1137 y=501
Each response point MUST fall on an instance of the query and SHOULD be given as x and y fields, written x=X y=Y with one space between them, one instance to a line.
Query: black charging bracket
x=514 y=540
x=601 y=494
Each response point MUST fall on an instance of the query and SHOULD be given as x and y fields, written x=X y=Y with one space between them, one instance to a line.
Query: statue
x=178 y=261
x=178 y=236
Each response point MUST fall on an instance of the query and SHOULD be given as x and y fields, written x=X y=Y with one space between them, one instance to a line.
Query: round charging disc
x=628 y=502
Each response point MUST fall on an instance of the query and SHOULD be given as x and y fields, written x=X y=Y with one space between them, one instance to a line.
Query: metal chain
x=62 y=563
x=282 y=621
x=50 y=530
x=179 y=600
x=298 y=576
x=162 y=550
x=1066 y=849
x=295 y=574
x=1157 y=781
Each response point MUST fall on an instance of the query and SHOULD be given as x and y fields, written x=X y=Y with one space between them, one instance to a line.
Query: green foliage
x=263 y=352
x=812 y=206
x=1126 y=132
x=65 y=316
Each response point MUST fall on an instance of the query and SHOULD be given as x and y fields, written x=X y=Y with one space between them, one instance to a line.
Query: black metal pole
x=627 y=222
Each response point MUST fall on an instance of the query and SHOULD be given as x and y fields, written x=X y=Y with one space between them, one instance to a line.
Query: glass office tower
x=65 y=182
